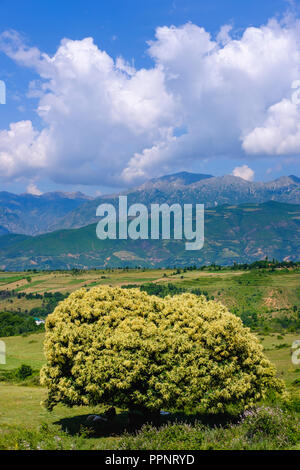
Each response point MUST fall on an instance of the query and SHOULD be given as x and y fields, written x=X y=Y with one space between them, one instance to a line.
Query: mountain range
x=191 y=188
x=244 y=221
x=32 y=215
x=235 y=233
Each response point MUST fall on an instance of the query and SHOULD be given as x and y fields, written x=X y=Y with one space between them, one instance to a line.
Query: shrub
x=171 y=436
x=259 y=429
x=24 y=371
x=272 y=423
x=125 y=348
x=293 y=404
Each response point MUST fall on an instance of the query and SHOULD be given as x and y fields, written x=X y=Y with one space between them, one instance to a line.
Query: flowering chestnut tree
x=125 y=348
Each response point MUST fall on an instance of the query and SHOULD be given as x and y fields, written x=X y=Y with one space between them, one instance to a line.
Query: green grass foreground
x=25 y=425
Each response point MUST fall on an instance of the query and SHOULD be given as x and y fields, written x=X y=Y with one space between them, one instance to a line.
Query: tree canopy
x=126 y=348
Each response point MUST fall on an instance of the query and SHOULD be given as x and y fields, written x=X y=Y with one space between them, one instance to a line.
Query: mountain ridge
x=210 y=190
x=243 y=233
x=32 y=214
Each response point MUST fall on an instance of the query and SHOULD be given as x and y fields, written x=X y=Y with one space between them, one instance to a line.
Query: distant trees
x=266 y=264
x=12 y=324
x=50 y=301
x=160 y=290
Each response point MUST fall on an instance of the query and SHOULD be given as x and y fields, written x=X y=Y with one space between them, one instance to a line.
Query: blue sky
x=123 y=28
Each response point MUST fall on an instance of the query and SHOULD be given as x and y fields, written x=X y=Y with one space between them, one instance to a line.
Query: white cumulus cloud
x=22 y=150
x=107 y=122
x=279 y=134
x=244 y=172
x=33 y=189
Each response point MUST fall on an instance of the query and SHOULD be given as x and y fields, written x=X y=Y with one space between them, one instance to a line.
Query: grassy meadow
x=267 y=295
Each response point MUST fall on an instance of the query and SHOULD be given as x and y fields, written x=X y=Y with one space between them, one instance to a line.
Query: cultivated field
x=267 y=293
